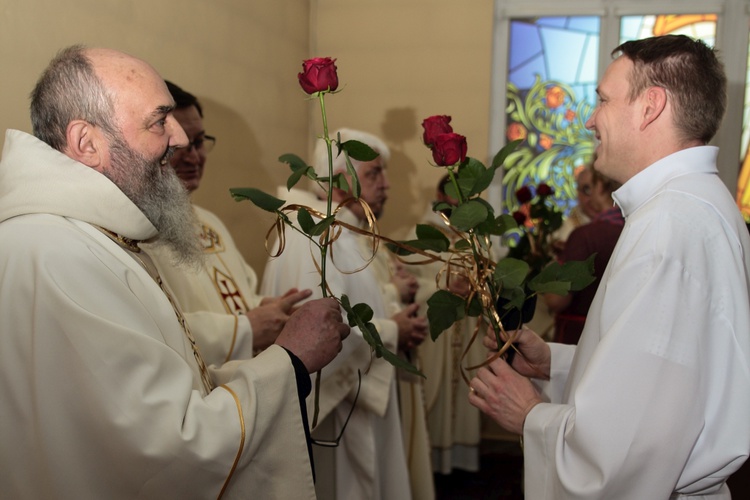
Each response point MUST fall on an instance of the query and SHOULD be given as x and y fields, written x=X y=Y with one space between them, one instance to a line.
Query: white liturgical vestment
x=216 y=296
x=453 y=424
x=100 y=393
x=655 y=401
x=369 y=461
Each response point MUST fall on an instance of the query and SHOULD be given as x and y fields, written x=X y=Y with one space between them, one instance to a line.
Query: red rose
x=433 y=126
x=318 y=74
x=519 y=217
x=523 y=195
x=544 y=190
x=449 y=149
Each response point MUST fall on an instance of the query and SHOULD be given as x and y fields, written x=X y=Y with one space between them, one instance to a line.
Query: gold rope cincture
x=132 y=247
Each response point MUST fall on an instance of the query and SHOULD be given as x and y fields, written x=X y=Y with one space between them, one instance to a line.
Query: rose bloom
x=516 y=131
x=555 y=97
x=318 y=75
x=523 y=195
x=434 y=126
x=544 y=190
x=449 y=149
x=519 y=217
x=570 y=115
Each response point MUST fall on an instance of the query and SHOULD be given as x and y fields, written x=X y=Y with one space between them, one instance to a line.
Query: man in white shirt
x=654 y=402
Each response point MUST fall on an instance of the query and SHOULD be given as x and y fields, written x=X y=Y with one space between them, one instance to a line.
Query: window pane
x=743 y=183
x=702 y=26
x=552 y=77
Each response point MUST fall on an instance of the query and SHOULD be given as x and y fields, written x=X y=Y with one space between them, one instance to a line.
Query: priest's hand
x=314 y=333
x=533 y=357
x=412 y=329
x=406 y=284
x=503 y=394
x=271 y=315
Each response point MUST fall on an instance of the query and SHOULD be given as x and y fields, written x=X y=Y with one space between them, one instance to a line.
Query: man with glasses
x=229 y=319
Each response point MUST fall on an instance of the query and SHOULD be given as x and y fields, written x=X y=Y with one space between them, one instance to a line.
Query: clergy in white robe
x=103 y=393
x=655 y=400
x=369 y=462
x=220 y=297
x=454 y=425
x=217 y=295
x=399 y=287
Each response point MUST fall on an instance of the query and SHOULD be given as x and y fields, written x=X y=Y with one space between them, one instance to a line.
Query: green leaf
x=358 y=150
x=431 y=233
x=467 y=215
x=475 y=308
x=339 y=182
x=321 y=226
x=444 y=309
x=468 y=175
x=363 y=311
x=501 y=155
x=515 y=296
x=441 y=205
x=259 y=198
x=511 y=273
x=429 y=245
x=561 y=279
x=462 y=245
x=397 y=361
x=295 y=162
x=499 y=225
x=450 y=191
x=298 y=166
x=580 y=274
x=359 y=315
x=305 y=220
x=356 y=190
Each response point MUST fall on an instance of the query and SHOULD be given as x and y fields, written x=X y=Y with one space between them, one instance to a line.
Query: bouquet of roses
x=499 y=289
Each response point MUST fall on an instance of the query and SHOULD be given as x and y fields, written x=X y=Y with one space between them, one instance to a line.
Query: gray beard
x=155 y=189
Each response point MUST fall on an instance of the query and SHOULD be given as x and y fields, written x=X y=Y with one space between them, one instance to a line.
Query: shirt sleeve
x=617 y=436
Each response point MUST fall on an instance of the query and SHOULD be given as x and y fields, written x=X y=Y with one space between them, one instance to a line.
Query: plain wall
x=239 y=57
x=399 y=61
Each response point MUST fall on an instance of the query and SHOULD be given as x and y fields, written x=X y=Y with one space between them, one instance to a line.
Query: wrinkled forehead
x=135 y=86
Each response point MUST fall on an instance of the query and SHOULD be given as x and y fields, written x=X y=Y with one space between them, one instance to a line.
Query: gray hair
x=69 y=90
x=339 y=162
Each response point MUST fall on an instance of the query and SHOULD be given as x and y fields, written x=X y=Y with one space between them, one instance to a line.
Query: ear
x=654 y=102
x=86 y=144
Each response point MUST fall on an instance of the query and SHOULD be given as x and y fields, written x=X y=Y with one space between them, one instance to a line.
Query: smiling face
x=142 y=103
x=614 y=122
x=189 y=162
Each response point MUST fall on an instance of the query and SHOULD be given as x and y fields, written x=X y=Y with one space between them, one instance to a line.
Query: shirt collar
x=646 y=183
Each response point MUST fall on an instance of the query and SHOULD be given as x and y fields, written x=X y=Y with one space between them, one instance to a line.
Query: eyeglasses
x=202 y=144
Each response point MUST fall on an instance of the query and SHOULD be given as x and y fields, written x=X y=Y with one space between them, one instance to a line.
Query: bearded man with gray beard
x=103 y=392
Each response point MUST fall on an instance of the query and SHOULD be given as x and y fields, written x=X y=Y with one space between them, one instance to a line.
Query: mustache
x=168 y=154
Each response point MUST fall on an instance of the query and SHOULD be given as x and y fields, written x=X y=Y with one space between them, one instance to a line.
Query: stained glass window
x=702 y=26
x=551 y=91
x=743 y=183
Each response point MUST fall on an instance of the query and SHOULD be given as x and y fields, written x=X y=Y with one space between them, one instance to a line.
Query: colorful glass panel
x=743 y=183
x=551 y=92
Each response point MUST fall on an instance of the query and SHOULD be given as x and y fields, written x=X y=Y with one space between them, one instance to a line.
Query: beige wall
x=399 y=62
